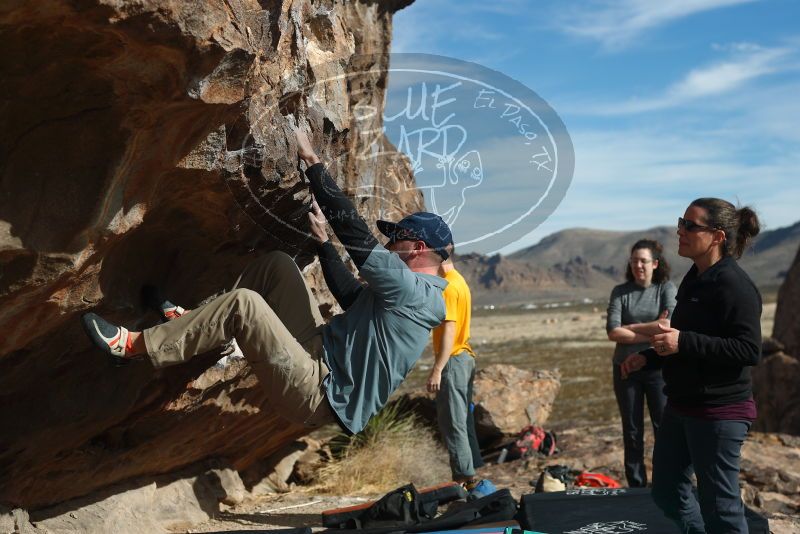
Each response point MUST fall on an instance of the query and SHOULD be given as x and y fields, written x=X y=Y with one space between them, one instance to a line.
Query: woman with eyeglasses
x=714 y=339
x=635 y=311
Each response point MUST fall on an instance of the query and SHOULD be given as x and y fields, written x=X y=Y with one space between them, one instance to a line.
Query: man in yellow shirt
x=452 y=375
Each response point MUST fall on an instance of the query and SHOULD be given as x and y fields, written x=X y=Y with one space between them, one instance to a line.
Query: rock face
x=776 y=380
x=787 y=320
x=776 y=389
x=508 y=398
x=151 y=141
x=504 y=280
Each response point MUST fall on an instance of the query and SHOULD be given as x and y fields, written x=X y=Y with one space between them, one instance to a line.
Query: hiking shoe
x=481 y=489
x=153 y=299
x=112 y=340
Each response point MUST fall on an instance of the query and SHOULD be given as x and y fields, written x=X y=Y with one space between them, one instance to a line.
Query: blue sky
x=665 y=100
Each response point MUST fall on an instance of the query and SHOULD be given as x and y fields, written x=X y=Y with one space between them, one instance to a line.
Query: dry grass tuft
x=393 y=450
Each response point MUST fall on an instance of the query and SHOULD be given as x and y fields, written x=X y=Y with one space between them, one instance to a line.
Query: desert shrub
x=394 y=449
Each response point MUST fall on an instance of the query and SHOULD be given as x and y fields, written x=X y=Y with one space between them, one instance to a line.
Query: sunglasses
x=691 y=226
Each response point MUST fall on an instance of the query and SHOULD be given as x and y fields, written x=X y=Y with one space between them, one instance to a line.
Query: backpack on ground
x=493 y=508
x=533 y=439
x=398 y=508
x=548 y=445
x=404 y=506
x=498 y=507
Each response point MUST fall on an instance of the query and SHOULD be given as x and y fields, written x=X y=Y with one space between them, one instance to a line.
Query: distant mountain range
x=585 y=263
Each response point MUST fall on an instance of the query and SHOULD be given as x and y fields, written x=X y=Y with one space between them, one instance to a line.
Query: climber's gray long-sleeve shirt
x=372 y=346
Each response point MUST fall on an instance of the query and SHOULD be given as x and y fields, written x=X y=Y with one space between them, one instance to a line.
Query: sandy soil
x=574 y=326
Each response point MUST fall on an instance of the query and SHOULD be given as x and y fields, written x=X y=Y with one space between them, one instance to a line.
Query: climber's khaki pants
x=276 y=322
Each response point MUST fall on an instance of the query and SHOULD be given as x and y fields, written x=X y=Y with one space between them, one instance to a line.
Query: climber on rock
x=315 y=373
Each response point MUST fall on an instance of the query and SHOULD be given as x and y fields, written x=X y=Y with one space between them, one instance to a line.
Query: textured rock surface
x=278 y=473
x=770 y=473
x=169 y=503
x=776 y=388
x=787 y=320
x=150 y=141
x=508 y=398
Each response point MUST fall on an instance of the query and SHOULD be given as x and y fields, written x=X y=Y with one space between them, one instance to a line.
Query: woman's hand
x=663 y=319
x=665 y=343
x=632 y=363
x=318 y=223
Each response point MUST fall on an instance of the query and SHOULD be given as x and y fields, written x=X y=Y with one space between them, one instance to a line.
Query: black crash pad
x=604 y=511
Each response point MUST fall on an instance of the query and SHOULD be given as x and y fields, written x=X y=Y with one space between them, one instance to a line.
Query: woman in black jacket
x=707 y=352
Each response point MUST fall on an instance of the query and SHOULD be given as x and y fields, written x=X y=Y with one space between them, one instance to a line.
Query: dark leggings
x=631 y=394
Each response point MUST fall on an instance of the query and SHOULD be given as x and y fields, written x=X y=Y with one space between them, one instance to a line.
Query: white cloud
x=747 y=62
x=641 y=178
x=728 y=75
x=771 y=112
x=616 y=23
x=422 y=28
x=729 y=130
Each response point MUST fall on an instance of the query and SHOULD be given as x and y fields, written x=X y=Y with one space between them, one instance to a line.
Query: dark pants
x=712 y=449
x=631 y=394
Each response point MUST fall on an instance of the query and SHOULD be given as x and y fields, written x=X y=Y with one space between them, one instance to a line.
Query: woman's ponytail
x=749 y=227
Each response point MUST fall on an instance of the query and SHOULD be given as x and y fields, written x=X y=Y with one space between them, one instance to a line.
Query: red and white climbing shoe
x=172 y=312
x=154 y=300
x=111 y=339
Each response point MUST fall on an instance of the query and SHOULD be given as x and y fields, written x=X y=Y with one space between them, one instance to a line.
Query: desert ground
x=570 y=338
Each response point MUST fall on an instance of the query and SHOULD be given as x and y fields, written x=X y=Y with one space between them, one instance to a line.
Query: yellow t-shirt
x=458 y=301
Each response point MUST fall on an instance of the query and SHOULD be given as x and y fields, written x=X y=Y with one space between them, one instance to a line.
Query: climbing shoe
x=152 y=299
x=113 y=340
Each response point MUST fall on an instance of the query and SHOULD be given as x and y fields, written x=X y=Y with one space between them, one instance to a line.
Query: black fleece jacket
x=718 y=314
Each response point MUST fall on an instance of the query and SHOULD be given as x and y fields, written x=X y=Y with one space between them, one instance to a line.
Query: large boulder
x=776 y=389
x=151 y=141
x=787 y=320
x=770 y=468
x=508 y=398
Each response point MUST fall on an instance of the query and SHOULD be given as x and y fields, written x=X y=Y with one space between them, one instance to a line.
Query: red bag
x=532 y=439
x=596 y=480
x=529 y=440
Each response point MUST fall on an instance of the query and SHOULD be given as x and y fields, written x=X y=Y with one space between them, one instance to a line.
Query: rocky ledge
x=152 y=141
